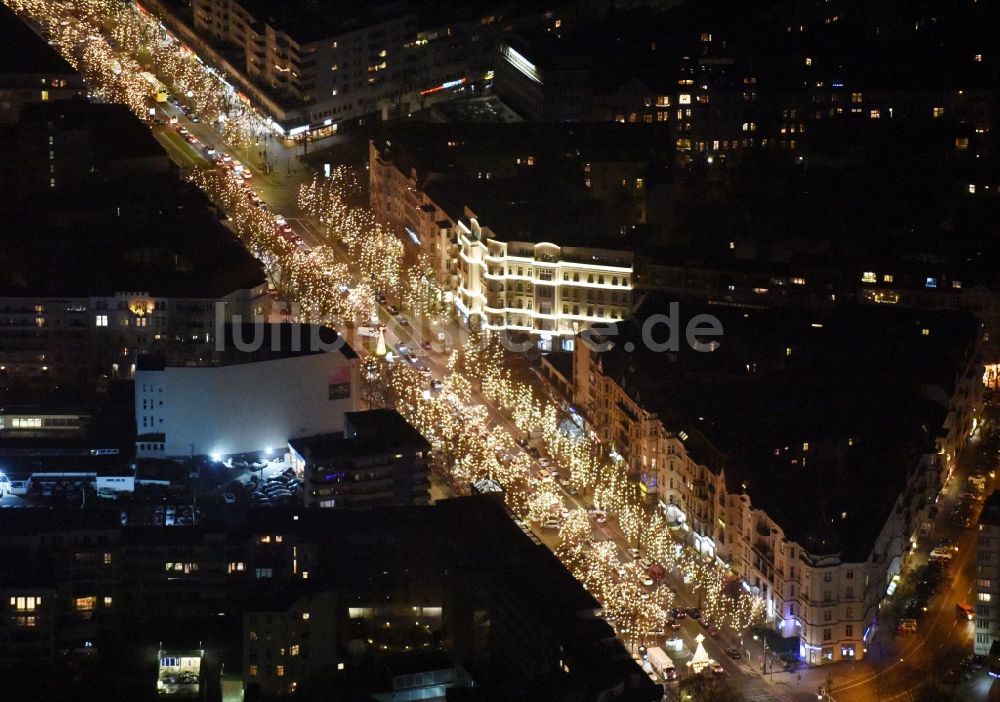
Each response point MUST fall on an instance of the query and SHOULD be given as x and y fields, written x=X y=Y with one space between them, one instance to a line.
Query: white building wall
x=244 y=407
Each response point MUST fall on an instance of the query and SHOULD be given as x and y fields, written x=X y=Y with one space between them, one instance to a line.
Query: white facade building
x=244 y=401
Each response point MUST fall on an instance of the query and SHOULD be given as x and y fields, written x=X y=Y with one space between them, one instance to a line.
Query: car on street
x=600 y=517
x=907 y=626
x=393 y=310
x=717 y=668
x=634 y=552
x=694 y=612
x=646 y=580
x=674 y=624
x=669 y=673
x=713 y=632
x=734 y=653
x=105 y=493
x=247 y=175
x=645 y=564
x=551 y=524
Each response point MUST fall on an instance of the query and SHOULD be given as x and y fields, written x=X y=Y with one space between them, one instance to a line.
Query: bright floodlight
x=268 y=451
x=216 y=457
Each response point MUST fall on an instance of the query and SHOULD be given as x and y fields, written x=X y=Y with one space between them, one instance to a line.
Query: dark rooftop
x=271 y=342
x=373 y=431
x=24 y=52
x=817 y=414
x=530 y=208
x=991 y=510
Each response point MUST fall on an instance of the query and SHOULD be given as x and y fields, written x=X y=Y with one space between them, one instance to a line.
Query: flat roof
x=818 y=416
x=24 y=52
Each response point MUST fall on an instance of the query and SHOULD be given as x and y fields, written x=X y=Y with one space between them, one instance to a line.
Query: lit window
x=107 y=600
x=957 y=284
x=868 y=277
x=809 y=61
x=102 y=320
x=925 y=332
x=305 y=615
x=978 y=58
x=294 y=650
x=930 y=283
x=875 y=114
x=253 y=671
x=45 y=95
x=84 y=604
x=684 y=99
x=985 y=597
x=972 y=188
x=798 y=281
x=279 y=670
x=887 y=278
x=937 y=112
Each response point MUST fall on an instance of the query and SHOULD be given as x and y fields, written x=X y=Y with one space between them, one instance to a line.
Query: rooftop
x=24 y=52
x=530 y=208
x=270 y=342
x=854 y=396
x=375 y=431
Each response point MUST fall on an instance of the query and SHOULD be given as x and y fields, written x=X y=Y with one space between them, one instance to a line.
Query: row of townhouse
x=823 y=575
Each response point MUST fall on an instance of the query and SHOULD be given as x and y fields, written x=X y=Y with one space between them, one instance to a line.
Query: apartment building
x=379 y=458
x=315 y=69
x=987 y=578
x=283 y=598
x=530 y=227
x=811 y=507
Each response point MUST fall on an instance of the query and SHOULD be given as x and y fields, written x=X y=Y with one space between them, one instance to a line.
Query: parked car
x=694 y=612
x=717 y=668
x=734 y=653
x=634 y=552
x=907 y=626
x=229 y=498
x=551 y=524
x=105 y=493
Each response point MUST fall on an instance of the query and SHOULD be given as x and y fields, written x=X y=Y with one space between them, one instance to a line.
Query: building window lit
x=25 y=604
x=930 y=282
x=972 y=188
x=279 y=670
x=925 y=332
x=875 y=114
x=45 y=95
x=887 y=278
x=937 y=112
x=684 y=99
x=101 y=320
x=108 y=600
x=956 y=284
x=305 y=615
x=85 y=604
x=978 y=58
x=253 y=671
x=868 y=277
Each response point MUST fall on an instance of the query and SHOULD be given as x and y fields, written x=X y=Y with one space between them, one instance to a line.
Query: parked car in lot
x=105 y=493
x=634 y=552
